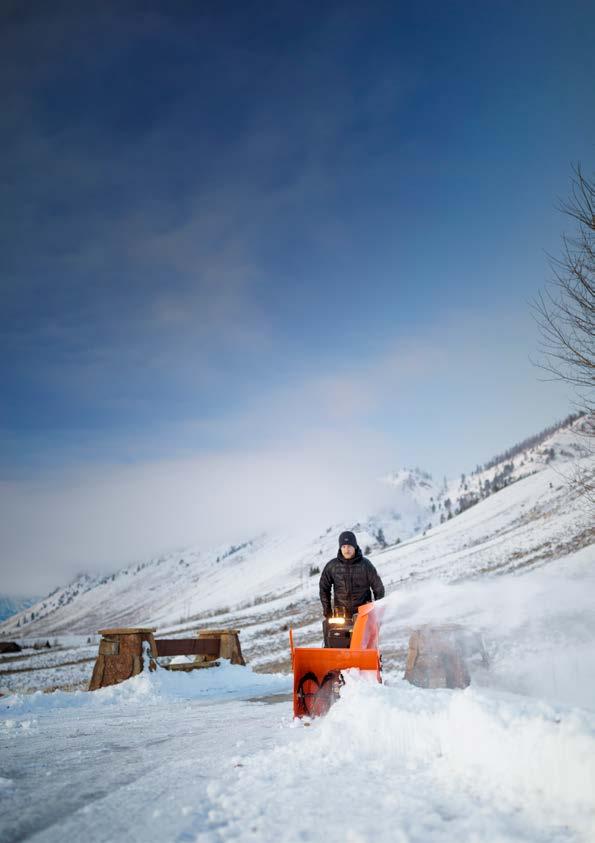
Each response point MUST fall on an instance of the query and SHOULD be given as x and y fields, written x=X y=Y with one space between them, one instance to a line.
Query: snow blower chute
x=317 y=675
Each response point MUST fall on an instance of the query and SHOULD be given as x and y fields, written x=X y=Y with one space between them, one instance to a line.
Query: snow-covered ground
x=215 y=755
x=400 y=764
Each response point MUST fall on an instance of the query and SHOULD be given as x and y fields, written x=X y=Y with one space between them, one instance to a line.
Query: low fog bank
x=100 y=520
x=538 y=628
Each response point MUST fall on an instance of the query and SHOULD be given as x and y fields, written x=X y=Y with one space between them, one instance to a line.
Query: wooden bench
x=120 y=653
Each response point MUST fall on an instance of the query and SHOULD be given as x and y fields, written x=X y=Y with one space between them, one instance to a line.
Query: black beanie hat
x=347 y=537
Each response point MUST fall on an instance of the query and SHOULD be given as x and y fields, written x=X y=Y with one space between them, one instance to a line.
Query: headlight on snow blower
x=337 y=621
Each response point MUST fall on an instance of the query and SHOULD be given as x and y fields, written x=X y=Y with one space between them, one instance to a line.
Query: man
x=352 y=577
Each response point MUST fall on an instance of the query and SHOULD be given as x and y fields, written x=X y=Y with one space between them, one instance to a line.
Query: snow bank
x=228 y=681
x=402 y=764
x=516 y=749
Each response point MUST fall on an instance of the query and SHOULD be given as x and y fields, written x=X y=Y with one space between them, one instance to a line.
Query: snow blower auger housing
x=317 y=677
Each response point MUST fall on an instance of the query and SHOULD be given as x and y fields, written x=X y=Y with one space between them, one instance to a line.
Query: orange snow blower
x=317 y=677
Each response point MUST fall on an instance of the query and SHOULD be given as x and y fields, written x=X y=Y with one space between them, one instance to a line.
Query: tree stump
x=229 y=646
x=120 y=654
x=436 y=658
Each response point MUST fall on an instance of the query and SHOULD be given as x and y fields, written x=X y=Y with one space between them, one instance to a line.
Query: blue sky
x=251 y=228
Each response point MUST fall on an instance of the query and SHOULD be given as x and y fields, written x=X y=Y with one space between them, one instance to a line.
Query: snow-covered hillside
x=542 y=519
x=215 y=756
x=13 y=605
x=269 y=582
x=180 y=586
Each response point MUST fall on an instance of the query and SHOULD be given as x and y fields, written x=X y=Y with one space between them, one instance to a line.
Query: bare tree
x=565 y=310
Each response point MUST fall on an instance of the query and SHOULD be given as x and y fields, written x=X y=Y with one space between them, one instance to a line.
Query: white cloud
x=101 y=518
x=304 y=453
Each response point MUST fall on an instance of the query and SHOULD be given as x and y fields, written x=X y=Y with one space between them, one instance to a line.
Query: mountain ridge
x=195 y=581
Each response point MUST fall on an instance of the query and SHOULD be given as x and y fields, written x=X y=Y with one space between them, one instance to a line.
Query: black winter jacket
x=354 y=581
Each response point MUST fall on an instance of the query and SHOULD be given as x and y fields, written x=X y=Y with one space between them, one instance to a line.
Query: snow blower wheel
x=316 y=698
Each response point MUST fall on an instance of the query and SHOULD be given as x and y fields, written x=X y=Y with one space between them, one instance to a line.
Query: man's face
x=348 y=551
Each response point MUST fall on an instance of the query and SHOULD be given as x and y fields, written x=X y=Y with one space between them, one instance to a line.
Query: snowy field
x=203 y=757
x=270 y=577
x=215 y=755
x=67 y=664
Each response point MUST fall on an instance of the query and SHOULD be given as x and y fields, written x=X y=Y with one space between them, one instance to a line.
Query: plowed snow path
x=389 y=763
